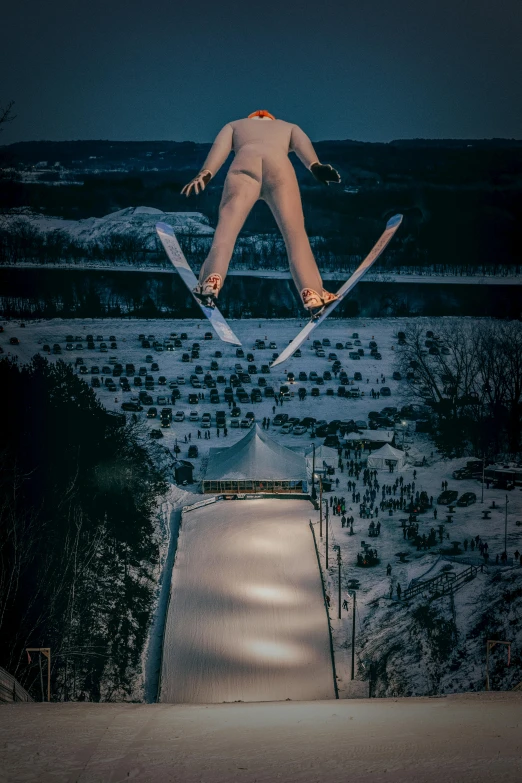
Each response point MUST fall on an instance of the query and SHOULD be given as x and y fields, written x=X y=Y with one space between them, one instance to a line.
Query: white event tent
x=256 y=463
x=386 y=456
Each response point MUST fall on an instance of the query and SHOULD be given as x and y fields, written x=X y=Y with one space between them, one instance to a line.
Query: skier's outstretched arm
x=218 y=154
x=303 y=148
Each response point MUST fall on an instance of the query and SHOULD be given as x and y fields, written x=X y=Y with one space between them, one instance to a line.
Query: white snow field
x=246 y=619
x=472 y=738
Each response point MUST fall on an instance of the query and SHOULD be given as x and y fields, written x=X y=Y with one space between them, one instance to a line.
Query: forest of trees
x=79 y=541
x=471 y=376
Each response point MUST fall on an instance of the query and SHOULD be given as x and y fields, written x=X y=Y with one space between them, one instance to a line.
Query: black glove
x=325 y=173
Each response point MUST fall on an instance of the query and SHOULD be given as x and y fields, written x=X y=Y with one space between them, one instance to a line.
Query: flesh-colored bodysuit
x=261 y=170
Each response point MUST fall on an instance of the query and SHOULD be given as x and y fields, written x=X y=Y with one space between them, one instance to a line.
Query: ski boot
x=207 y=292
x=315 y=303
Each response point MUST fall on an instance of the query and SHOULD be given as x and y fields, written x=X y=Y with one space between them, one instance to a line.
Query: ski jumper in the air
x=261 y=169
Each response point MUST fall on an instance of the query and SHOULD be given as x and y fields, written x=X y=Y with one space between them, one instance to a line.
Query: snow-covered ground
x=460 y=739
x=379 y=620
x=246 y=620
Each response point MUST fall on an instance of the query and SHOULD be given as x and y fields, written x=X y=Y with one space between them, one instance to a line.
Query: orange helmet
x=261 y=113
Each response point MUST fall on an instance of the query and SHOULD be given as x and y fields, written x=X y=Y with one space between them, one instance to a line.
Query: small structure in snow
x=382 y=458
x=183 y=471
x=372 y=439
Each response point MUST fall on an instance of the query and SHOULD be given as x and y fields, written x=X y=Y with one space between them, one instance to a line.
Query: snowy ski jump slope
x=468 y=738
x=246 y=619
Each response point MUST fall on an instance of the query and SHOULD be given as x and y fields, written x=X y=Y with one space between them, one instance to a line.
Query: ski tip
x=276 y=362
x=165 y=228
x=394 y=221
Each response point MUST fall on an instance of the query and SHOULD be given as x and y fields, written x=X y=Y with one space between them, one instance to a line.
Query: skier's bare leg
x=240 y=193
x=284 y=200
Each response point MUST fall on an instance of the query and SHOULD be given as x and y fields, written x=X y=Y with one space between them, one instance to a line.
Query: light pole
x=320 y=507
x=338 y=548
x=327 y=536
x=314 y=493
x=483 y=470
x=353 y=594
x=505 y=530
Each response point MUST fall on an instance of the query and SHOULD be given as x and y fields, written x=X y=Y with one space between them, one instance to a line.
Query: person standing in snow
x=262 y=170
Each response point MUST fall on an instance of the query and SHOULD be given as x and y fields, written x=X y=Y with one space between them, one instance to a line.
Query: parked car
x=299 y=429
x=152 y=413
x=357 y=376
x=128 y=406
x=287 y=428
x=193 y=451
x=194 y=416
x=316 y=392
x=461 y=473
x=332 y=441
x=448 y=496
x=206 y=420
x=467 y=499
x=179 y=416
x=385 y=391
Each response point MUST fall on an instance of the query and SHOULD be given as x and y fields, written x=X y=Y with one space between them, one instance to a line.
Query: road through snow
x=246 y=620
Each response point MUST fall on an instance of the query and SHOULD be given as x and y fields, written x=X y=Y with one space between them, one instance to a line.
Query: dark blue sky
x=371 y=70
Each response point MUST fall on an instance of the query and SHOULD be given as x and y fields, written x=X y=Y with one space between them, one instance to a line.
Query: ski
x=391 y=227
x=179 y=262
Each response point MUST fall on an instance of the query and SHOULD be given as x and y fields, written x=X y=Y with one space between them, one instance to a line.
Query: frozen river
x=246 y=620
